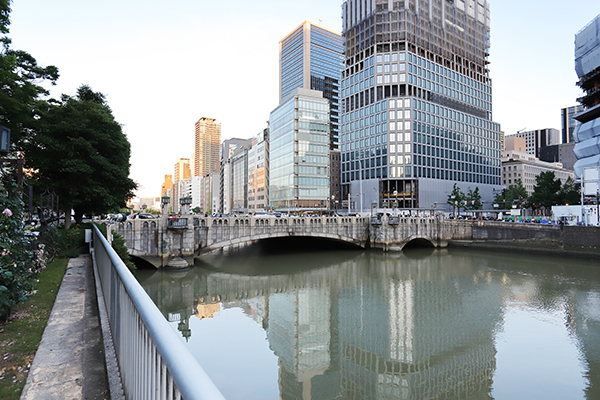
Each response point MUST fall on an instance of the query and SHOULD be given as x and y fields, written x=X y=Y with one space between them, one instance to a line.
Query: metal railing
x=153 y=361
x=177 y=223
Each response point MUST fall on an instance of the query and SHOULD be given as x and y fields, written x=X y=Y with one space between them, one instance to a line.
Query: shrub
x=19 y=264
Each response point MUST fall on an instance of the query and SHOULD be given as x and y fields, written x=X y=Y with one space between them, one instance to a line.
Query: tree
x=570 y=192
x=546 y=191
x=473 y=199
x=456 y=198
x=83 y=155
x=20 y=78
x=514 y=195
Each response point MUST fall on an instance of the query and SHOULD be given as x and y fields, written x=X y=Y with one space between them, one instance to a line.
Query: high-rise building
x=417 y=102
x=534 y=140
x=206 y=147
x=568 y=122
x=299 y=152
x=258 y=173
x=181 y=173
x=311 y=57
x=234 y=175
x=587 y=66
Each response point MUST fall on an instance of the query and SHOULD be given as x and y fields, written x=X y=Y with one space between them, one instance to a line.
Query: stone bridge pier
x=162 y=242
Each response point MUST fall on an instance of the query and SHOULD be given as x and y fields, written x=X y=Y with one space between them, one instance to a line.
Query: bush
x=19 y=263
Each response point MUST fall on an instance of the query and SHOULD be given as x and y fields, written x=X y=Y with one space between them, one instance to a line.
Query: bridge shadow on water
x=279 y=256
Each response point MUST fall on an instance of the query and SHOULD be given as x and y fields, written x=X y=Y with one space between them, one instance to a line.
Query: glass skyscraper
x=299 y=152
x=311 y=57
x=416 y=109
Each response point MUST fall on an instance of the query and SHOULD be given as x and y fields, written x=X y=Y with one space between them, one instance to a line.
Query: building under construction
x=587 y=66
x=417 y=103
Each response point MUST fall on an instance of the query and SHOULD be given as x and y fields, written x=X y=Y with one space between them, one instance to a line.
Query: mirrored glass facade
x=311 y=57
x=417 y=101
x=299 y=152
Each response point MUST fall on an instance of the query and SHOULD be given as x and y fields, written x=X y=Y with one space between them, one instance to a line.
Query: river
x=423 y=324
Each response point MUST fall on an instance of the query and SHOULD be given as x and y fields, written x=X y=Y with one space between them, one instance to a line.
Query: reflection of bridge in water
x=369 y=331
x=373 y=325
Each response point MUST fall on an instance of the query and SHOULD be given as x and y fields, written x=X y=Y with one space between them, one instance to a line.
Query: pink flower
x=7 y=212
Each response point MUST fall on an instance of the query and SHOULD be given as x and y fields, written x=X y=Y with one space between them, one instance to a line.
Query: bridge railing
x=153 y=361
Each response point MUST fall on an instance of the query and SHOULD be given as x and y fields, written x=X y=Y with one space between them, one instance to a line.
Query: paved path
x=70 y=363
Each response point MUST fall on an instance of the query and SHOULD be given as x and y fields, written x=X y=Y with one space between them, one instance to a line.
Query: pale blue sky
x=164 y=65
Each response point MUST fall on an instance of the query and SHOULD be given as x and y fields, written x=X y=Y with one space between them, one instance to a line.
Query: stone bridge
x=175 y=243
x=165 y=242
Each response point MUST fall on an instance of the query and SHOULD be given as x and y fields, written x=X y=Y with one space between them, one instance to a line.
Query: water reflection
x=396 y=326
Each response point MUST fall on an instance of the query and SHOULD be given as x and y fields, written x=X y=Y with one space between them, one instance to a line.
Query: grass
x=20 y=336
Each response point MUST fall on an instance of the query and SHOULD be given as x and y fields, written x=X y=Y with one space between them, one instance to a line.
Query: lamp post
x=164 y=201
x=4 y=140
x=185 y=204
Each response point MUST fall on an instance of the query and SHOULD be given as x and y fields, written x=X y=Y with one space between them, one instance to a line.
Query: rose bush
x=19 y=265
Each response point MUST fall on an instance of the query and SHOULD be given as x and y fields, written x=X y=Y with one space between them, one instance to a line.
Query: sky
x=164 y=65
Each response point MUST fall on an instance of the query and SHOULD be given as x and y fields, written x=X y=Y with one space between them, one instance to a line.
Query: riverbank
x=537 y=246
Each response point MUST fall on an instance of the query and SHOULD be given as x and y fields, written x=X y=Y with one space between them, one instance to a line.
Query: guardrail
x=177 y=223
x=153 y=361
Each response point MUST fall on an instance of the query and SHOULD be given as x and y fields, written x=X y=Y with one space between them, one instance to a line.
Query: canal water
x=423 y=324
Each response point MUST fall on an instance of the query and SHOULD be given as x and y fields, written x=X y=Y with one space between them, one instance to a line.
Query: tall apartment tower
x=206 y=147
x=181 y=173
x=417 y=103
x=312 y=57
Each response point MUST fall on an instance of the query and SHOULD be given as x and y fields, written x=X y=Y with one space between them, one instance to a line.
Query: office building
x=299 y=152
x=311 y=57
x=568 y=122
x=417 y=103
x=536 y=139
x=234 y=175
x=207 y=141
x=519 y=166
x=258 y=173
x=587 y=66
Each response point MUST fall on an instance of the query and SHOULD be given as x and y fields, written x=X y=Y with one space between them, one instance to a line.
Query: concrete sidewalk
x=70 y=361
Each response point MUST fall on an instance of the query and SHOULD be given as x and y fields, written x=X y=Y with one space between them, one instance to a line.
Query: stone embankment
x=554 y=239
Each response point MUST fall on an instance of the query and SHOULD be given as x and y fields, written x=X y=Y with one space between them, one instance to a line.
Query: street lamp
x=164 y=201
x=4 y=140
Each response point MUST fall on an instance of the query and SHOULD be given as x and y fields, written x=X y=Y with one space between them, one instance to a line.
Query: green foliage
x=513 y=195
x=21 y=335
x=570 y=192
x=118 y=244
x=18 y=264
x=20 y=79
x=473 y=200
x=82 y=155
x=71 y=242
x=546 y=191
x=456 y=198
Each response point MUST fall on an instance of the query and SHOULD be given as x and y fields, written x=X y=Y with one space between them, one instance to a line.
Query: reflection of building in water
x=207 y=310
x=370 y=327
x=418 y=337
x=584 y=321
x=299 y=334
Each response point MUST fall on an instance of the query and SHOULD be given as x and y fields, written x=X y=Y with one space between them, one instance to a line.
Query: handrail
x=153 y=361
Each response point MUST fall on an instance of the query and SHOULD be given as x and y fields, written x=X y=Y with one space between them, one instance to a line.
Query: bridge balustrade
x=153 y=361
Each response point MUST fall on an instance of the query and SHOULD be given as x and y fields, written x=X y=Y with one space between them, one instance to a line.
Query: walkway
x=69 y=363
